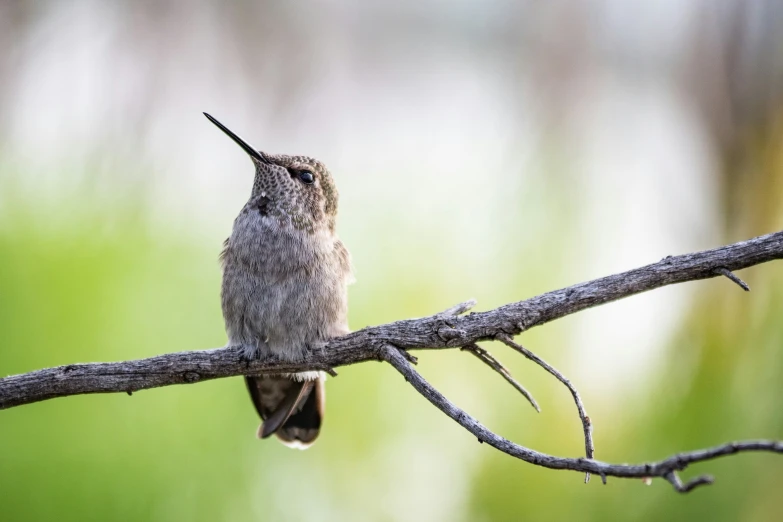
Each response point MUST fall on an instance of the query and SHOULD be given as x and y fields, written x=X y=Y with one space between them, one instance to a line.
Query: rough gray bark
x=448 y=329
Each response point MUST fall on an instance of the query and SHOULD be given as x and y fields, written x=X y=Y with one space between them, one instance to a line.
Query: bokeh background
x=486 y=149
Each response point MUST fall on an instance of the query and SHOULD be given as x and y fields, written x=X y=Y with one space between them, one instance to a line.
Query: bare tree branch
x=448 y=329
x=664 y=468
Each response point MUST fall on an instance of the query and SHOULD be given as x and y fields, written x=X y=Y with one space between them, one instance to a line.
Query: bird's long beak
x=255 y=154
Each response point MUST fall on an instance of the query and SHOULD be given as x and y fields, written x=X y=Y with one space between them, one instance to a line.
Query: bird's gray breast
x=283 y=288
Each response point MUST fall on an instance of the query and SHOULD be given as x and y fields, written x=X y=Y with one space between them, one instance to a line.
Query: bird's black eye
x=304 y=175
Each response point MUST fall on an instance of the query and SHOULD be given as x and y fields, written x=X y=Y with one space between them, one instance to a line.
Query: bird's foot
x=319 y=347
x=252 y=352
x=316 y=347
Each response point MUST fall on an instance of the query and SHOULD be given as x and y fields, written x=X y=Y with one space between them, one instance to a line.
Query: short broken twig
x=411 y=358
x=732 y=276
x=457 y=309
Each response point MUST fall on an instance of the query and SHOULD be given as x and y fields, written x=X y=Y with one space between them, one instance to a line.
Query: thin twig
x=728 y=273
x=659 y=468
x=674 y=479
x=487 y=358
x=587 y=425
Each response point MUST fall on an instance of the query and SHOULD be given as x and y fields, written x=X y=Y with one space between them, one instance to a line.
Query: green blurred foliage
x=80 y=292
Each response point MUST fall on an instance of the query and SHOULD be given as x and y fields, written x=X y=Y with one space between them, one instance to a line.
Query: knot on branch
x=190 y=377
x=453 y=337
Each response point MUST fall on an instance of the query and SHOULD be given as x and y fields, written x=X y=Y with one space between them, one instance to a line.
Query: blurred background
x=485 y=149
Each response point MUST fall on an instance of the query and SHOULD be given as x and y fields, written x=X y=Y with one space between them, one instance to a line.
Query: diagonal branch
x=444 y=330
x=448 y=329
x=487 y=358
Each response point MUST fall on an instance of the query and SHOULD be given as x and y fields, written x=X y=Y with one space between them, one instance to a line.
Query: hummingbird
x=284 y=290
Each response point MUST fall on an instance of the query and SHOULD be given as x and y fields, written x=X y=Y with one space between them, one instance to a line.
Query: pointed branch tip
x=729 y=274
x=488 y=359
x=458 y=309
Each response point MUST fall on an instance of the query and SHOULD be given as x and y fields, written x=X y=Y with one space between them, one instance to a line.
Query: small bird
x=284 y=291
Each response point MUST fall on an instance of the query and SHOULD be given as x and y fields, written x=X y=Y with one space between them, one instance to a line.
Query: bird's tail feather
x=291 y=408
